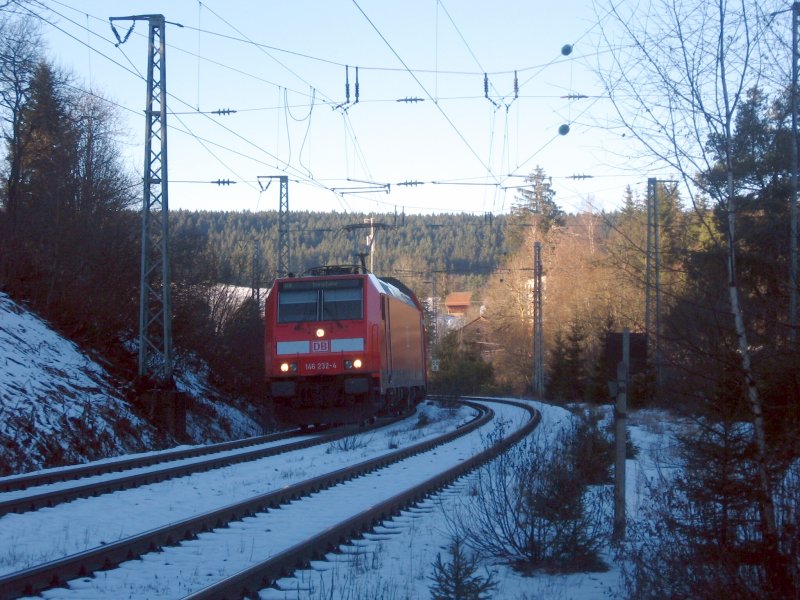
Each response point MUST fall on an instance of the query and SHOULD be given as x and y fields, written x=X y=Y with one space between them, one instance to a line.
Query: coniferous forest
x=725 y=352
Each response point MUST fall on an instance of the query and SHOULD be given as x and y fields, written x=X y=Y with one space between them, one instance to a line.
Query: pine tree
x=576 y=338
x=457 y=580
x=535 y=208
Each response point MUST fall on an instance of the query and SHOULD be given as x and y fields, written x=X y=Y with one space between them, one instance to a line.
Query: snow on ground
x=177 y=571
x=58 y=407
x=396 y=562
x=33 y=537
x=392 y=563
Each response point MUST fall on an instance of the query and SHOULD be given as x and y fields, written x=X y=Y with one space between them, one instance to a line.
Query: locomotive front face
x=342 y=349
x=319 y=331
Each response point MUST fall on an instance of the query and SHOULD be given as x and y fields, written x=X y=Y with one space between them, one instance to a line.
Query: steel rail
x=13 y=483
x=56 y=573
x=50 y=498
x=247 y=582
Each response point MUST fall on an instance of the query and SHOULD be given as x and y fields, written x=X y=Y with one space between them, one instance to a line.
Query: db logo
x=320 y=346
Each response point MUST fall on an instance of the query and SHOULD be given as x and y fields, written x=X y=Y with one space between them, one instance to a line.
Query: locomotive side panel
x=405 y=365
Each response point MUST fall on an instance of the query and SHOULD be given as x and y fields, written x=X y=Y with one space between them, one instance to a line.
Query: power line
x=306 y=175
x=427 y=93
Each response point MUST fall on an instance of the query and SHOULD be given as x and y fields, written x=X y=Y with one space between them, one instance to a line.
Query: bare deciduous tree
x=679 y=72
x=536 y=506
x=19 y=55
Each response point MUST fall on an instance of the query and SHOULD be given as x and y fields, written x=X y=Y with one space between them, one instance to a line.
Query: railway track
x=14 y=483
x=374 y=472
x=33 y=491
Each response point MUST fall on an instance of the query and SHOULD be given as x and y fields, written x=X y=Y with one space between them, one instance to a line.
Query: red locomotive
x=341 y=346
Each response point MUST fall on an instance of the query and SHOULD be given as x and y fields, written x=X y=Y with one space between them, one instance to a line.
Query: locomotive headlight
x=320 y=332
x=357 y=363
x=284 y=367
x=348 y=364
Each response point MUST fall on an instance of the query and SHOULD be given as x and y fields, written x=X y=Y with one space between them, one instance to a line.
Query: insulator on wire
x=516 y=86
x=347 y=84
x=486 y=90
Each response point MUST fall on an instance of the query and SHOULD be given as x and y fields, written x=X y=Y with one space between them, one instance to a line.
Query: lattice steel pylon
x=284 y=243
x=283 y=227
x=155 y=308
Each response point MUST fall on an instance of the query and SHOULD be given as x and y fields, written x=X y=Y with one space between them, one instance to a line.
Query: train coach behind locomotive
x=342 y=346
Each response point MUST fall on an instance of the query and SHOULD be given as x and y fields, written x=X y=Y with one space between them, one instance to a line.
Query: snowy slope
x=58 y=407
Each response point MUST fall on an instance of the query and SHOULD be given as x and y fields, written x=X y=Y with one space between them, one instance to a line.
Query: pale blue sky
x=281 y=65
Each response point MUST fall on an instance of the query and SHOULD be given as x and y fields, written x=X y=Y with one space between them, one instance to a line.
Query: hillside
x=407 y=246
x=59 y=407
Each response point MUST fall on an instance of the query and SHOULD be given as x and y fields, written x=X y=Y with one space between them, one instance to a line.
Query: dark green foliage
x=535 y=208
x=592 y=448
x=567 y=381
x=462 y=370
x=67 y=233
x=465 y=245
x=457 y=580
x=711 y=538
x=699 y=535
x=241 y=350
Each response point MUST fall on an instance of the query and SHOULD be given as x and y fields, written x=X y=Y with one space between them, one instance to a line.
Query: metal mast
x=538 y=322
x=283 y=227
x=155 y=311
x=282 y=264
x=256 y=272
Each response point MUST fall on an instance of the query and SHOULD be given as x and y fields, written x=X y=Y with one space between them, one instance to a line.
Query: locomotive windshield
x=320 y=300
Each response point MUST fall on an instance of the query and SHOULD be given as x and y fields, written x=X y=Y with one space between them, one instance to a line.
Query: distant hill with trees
x=465 y=247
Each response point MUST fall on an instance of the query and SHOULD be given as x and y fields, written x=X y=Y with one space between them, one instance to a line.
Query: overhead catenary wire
x=305 y=173
x=427 y=93
x=132 y=69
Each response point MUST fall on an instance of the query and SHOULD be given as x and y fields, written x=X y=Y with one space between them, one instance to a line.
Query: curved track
x=258 y=575
x=246 y=583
